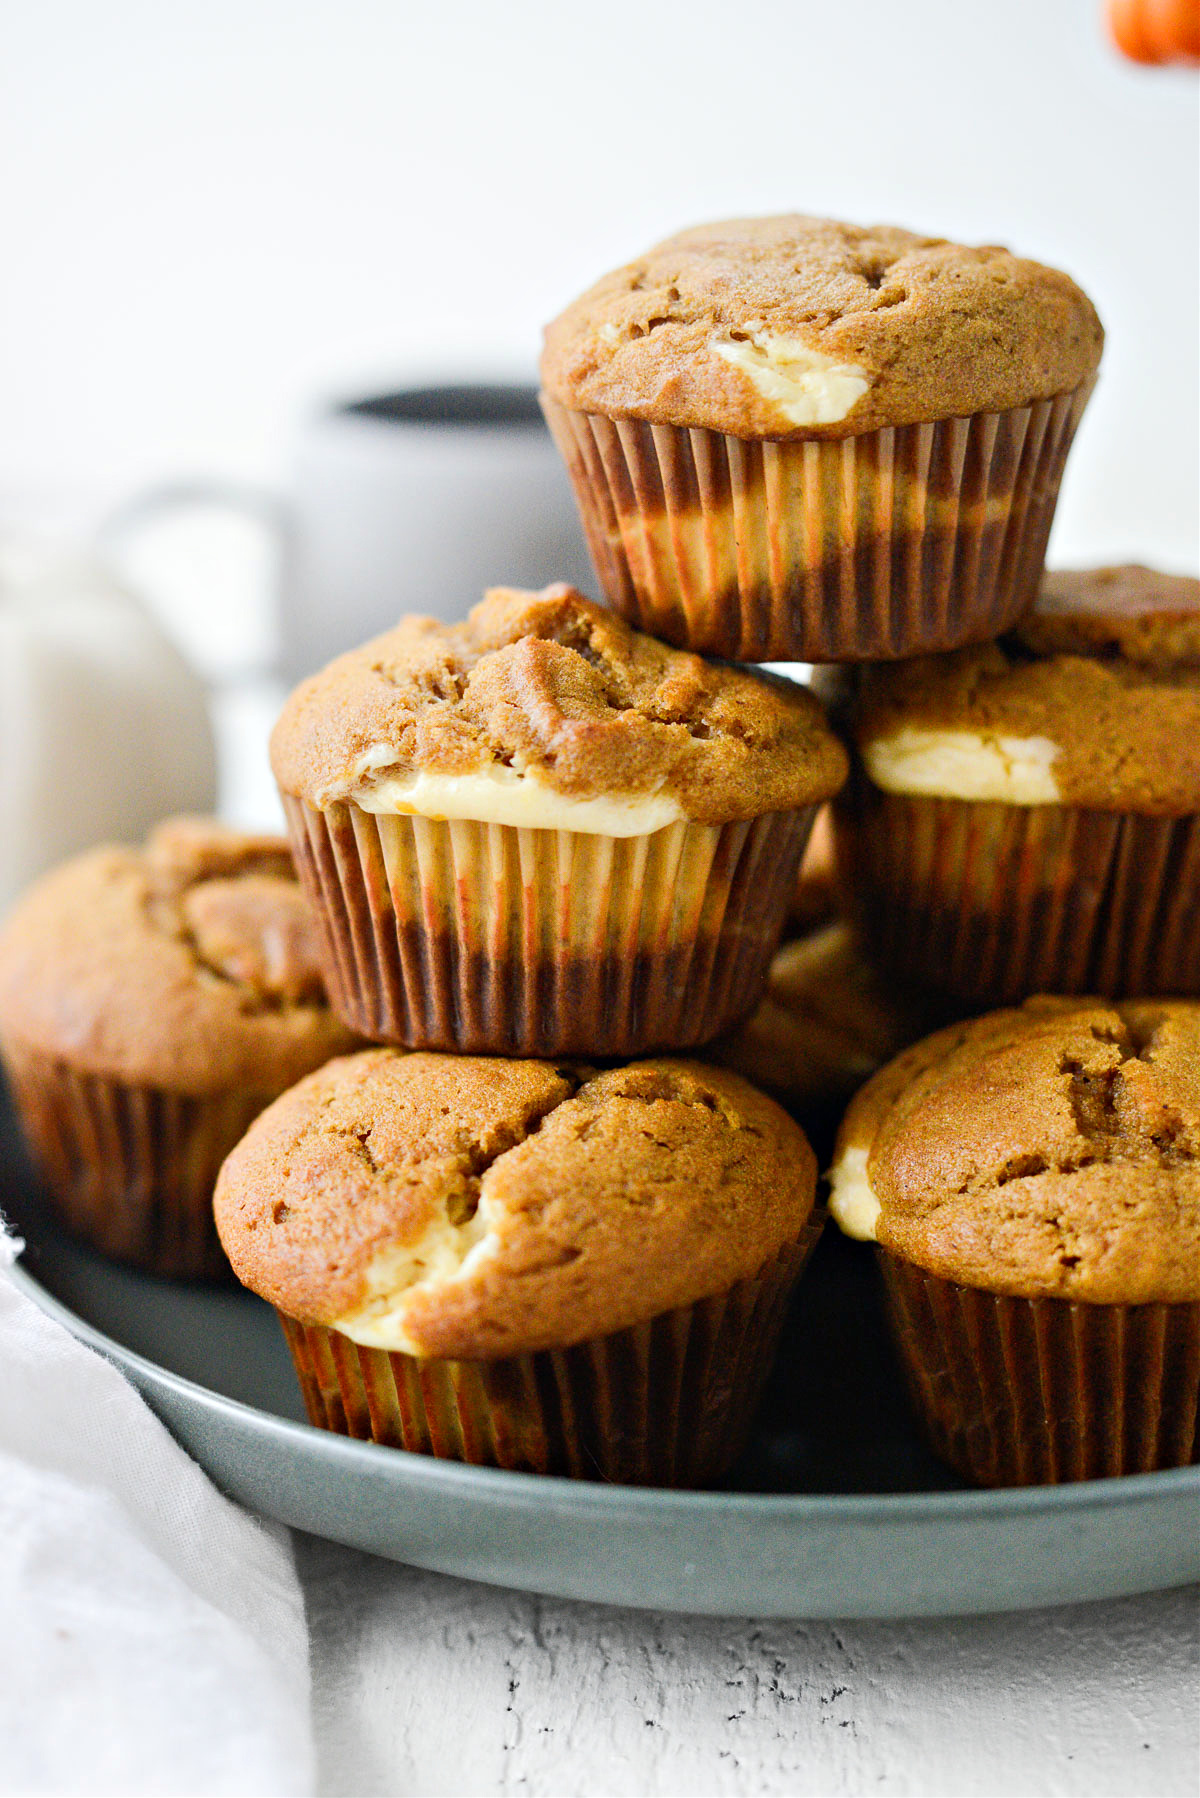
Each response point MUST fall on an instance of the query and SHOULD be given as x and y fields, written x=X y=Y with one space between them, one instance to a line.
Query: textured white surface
x=153 y=1636
x=431 y=1685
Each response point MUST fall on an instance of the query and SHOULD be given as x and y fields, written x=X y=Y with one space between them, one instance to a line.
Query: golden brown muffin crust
x=189 y=965
x=1106 y=666
x=939 y=330
x=1129 y=613
x=552 y=683
x=1051 y=1151
x=607 y=1197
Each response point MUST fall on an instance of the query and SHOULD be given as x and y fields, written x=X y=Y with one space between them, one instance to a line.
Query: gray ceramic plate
x=836 y=1510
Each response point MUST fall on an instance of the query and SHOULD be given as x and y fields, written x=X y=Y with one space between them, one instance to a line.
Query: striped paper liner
x=890 y=543
x=448 y=934
x=1032 y=1392
x=987 y=902
x=668 y=1402
x=130 y=1169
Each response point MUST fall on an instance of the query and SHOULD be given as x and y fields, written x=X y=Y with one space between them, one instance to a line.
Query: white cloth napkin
x=152 y=1634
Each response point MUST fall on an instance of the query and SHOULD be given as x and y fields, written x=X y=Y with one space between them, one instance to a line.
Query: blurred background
x=220 y=218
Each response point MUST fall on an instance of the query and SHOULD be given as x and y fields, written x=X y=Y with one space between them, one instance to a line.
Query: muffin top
x=803 y=327
x=469 y=1207
x=190 y=964
x=1093 y=700
x=1051 y=1151
x=545 y=709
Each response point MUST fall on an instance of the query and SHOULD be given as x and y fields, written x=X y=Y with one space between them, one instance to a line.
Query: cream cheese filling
x=964 y=764
x=501 y=795
x=444 y=1252
x=852 y=1204
x=806 y=386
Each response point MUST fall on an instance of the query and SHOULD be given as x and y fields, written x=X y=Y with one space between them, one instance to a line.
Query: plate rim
x=607 y=1499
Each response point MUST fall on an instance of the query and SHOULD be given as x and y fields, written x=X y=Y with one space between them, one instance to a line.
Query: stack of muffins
x=549 y=857
x=532 y=841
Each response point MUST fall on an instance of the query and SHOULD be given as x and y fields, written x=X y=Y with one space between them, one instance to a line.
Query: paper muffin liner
x=1034 y=1392
x=446 y=934
x=668 y=1402
x=890 y=543
x=130 y=1169
x=987 y=902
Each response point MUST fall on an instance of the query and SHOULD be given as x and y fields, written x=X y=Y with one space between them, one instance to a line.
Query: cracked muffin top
x=467 y=1207
x=804 y=327
x=544 y=708
x=1094 y=700
x=1051 y=1151
x=190 y=965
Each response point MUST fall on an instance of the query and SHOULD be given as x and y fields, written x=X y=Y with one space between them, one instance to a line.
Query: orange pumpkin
x=1156 y=31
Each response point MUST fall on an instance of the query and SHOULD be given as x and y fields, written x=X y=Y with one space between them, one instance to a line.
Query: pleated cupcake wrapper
x=668 y=1402
x=987 y=902
x=130 y=1169
x=906 y=539
x=443 y=934
x=1031 y=1392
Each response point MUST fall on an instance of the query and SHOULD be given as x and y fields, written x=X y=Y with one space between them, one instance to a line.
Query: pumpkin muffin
x=523 y=1264
x=1032 y=1178
x=152 y=1001
x=539 y=832
x=1024 y=817
x=828 y=1019
x=798 y=440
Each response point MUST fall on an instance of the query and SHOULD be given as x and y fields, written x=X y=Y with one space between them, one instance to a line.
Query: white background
x=212 y=215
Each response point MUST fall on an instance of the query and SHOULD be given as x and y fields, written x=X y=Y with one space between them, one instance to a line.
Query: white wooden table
x=429 y=1685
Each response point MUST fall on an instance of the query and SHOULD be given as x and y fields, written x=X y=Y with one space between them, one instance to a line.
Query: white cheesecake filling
x=501 y=795
x=963 y=764
x=806 y=386
x=444 y=1252
x=852 y=1204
